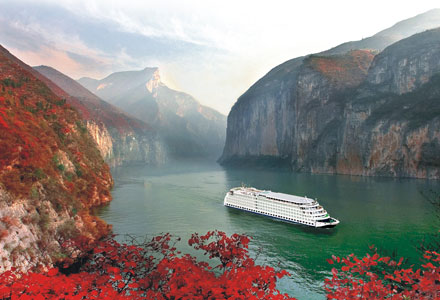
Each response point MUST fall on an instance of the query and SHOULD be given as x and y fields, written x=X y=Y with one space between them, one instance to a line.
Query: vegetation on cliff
x=347 y=70
x=49 y=165
x=122 y=139
x=346 y=113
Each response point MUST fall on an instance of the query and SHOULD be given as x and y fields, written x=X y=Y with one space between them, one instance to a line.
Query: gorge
x=107 y=186
x=188 y=128
x=364 y=112
x=122 y=139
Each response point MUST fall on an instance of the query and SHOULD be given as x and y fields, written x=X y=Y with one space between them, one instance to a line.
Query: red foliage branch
x=153 y=270
x=375 y=277
x=156 y=270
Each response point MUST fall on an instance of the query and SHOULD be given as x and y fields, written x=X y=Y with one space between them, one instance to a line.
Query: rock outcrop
x=346 y=114
x=188 y=128
x=51 y=172
x=122 y=139
x=407 y=64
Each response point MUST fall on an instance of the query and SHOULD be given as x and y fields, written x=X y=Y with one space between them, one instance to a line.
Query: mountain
x=399 y=31
x=188 y=128
x=122 y=139
x=358 y=113
x=391 y=123
x=279 y=117
x=51 y=172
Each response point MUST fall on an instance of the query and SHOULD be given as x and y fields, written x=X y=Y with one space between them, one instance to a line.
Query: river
x=187 y=197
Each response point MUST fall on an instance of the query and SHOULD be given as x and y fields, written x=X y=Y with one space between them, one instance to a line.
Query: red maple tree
x=156 y=270
x=375 y=277
x=153 y=270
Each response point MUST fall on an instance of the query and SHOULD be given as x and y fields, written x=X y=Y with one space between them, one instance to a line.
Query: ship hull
x=282 y=207
x=270 y=217
x=280 y=219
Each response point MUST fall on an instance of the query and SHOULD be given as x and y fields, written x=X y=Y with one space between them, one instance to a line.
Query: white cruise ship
x=285 y=207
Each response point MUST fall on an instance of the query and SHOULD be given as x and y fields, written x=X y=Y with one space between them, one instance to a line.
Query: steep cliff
x=122 y=139
x=288 y=119
x=187 y=127
x=391 y=123
x=333 y=114
x=51 y=172
x=407 y=64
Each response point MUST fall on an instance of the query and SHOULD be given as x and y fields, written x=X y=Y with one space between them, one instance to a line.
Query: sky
x=213 y=50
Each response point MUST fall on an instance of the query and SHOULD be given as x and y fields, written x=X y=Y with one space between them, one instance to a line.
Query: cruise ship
x=285 y=207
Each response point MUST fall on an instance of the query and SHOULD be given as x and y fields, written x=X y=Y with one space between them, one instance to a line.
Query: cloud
x=37 y=44
x=213 y=50
x=49 y=56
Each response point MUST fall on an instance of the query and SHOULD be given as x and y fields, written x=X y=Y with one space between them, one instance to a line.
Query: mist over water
x=187 y=197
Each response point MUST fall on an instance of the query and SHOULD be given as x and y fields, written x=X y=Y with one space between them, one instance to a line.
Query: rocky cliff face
x=103 y=140
x=289 y=119
x=188 y=128
x=51 y=172
x=391 y=125
x=338 y=114
x=407 y=64
x=121 y=139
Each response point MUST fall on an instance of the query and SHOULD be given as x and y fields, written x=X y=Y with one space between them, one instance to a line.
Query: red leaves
x=70 y=186
x=3 y=123
x=54 y=285
x=343 y=70
x=345 y=268
x=36 y=125
x=52 y=272
x=154 y=270
x=227 y=249
x=65 y=130
x=429 y=266
x=375 y=277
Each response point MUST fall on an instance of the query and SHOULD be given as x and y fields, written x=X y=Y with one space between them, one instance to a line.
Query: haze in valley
x=212 y=50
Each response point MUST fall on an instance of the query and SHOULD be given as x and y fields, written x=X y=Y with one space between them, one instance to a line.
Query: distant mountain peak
x=154 y=82
x=149 y=69
x=405 y=28
x=112 y=85
x=400 y=30
x=188 y=128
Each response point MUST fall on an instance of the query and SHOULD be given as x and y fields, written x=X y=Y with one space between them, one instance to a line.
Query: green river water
x=184 y=198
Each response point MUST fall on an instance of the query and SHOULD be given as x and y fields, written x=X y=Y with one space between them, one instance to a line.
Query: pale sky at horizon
x=212 y=50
